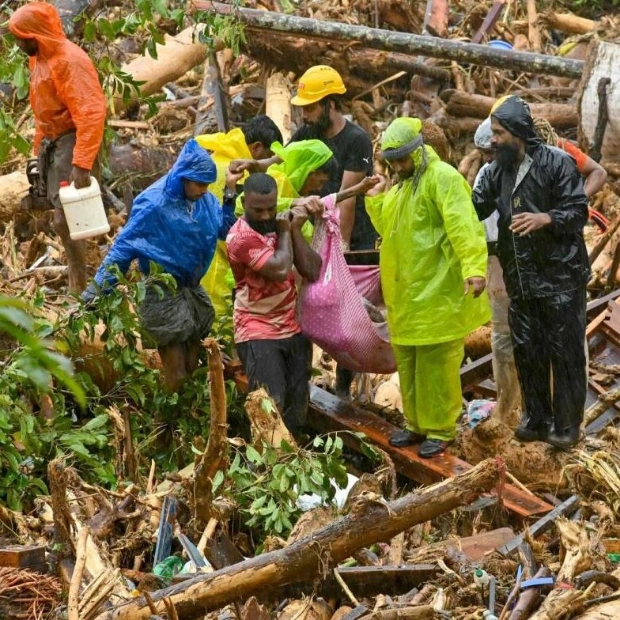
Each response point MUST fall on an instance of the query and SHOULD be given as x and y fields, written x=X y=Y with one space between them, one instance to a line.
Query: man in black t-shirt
x=318 y=93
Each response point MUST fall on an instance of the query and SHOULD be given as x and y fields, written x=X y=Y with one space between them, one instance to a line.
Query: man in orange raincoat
x=69 y=112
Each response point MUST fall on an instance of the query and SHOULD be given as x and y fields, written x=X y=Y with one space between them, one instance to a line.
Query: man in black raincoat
x=542 y=207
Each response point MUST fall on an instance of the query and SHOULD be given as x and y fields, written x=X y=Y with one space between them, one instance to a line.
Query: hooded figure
x=65 y=93
x=432 y=242
x=176 y=226
x=542 y=207
x=69 y=113
x=252 y=142
x=306 y=166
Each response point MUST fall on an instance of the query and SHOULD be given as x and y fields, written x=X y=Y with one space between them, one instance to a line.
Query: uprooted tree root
x=27 y=595
x=535 y=464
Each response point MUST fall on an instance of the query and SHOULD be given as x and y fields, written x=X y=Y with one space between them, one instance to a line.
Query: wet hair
x=260 y=183
x=330 y=167
x=262 y=129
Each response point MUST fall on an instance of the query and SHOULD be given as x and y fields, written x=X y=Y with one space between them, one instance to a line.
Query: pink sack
x=331 y=311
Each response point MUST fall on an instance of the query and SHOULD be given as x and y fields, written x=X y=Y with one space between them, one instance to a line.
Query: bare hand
x=238 y=166
x=475 y=284
x=312 y=204
x=283 y=221
x=368 y=183
x=80 y=177
x=232 y=178
x=525 y=223
x=378 y=186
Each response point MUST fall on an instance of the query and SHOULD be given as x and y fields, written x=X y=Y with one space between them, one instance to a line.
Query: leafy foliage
x=142 y=20
x=267 y=482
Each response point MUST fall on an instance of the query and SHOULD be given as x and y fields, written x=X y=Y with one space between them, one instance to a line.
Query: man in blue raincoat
x=433 y=260
x=175 y=223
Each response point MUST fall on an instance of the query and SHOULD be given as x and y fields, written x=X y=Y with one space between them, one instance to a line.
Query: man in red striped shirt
x=263 y=247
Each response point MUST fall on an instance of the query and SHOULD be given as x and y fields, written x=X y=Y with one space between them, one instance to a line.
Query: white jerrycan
x=84 y=210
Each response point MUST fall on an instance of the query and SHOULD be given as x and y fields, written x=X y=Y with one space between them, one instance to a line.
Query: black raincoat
x=545 y=272
x=552 y=259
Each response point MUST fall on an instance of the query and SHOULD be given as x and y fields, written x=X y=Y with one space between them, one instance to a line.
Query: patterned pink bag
x=331 y=311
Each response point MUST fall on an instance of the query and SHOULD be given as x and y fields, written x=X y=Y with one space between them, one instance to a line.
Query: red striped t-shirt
x=264 y=309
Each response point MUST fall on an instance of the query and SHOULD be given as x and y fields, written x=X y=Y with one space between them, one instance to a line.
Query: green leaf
x=252 y=455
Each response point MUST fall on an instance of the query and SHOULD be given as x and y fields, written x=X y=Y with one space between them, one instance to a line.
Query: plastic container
x=481 y=578
x=84 y=210
x=499 y=44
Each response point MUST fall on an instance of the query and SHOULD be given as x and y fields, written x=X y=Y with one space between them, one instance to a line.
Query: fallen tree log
x=459 y=103
x=567 y=22
x=256 y=20
x=139 y=165
x=367 y=522
x=174 y=58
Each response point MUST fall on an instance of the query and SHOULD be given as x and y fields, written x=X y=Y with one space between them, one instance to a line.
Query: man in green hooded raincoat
x=433 y=260
x=305 y=167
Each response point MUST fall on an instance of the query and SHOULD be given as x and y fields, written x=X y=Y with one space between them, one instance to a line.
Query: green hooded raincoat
x=431 y=242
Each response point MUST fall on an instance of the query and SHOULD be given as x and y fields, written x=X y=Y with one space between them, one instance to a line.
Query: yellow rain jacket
x=299 y=159
x=431 y=242
x=224 y=147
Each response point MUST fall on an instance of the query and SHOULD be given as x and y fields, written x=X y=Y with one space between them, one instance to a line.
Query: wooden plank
x=23 y=556
x=542 y=525
x=476 y=372
x=329 y=413
x=476 y=547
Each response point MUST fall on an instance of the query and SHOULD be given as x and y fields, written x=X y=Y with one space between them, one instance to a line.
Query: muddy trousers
x=430 y=383
x=283 y=368
x=548 y=334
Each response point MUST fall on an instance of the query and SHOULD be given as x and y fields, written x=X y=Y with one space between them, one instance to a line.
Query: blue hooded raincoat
x=170 y=230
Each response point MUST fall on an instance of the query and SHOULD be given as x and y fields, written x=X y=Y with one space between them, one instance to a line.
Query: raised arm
x=278 y=266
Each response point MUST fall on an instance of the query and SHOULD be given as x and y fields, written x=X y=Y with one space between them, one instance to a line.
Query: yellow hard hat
x=316 y=83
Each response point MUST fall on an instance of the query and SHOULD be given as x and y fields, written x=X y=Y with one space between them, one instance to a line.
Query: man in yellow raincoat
x=433 y=260
x=253 y=141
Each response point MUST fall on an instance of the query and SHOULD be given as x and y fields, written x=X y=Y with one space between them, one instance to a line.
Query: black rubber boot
x=404 y=437
x=564 y=440
x=524 y=433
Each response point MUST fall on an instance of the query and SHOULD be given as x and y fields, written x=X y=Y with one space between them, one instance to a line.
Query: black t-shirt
x=352 y=149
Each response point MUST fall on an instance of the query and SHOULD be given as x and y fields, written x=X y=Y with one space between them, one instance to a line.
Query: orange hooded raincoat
x=65 y=93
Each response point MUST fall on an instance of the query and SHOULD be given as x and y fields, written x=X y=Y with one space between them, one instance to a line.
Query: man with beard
x=542 y=207
x=319 y=95
x=263 y=246
x=69 y=113
x=433 y=258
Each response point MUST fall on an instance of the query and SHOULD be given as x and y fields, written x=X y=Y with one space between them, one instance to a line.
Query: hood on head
x=192 y=164
x=483 y=135
x=39 y=21
x=299 y=159
x=514 y=115
x=403 y=137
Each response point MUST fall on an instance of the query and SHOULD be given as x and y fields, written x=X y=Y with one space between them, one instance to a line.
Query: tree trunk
x=567 y=22
x=278 y=104
x=368 y=522
x=175 y=58
x=459 y=103
x=400 y=41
